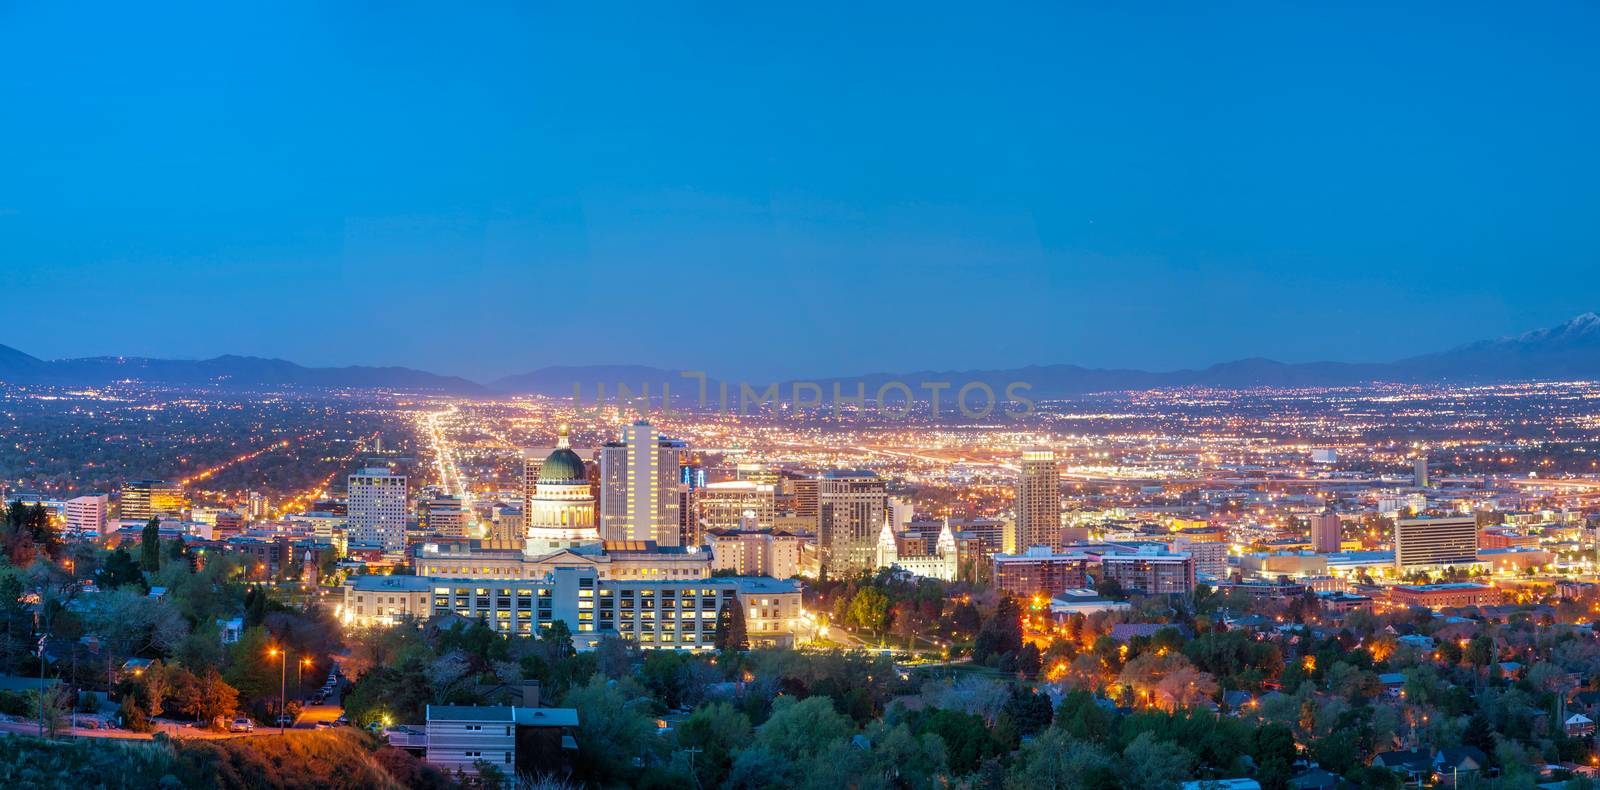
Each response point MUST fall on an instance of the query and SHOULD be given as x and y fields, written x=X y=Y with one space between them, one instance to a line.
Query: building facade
x=1038 y=521
x=851 y=508
x=378 y=504
x=146 y=499
x=665 y=615
x=1435 y=542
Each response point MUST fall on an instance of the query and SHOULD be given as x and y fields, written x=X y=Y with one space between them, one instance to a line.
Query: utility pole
x=283 y=687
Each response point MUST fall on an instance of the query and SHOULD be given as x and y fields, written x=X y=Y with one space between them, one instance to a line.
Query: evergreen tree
x=730 y=627
x=150 y=546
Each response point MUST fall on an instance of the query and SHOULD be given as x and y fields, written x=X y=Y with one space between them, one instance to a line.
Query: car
x=324 y=725
x=284 y=721
x=342 y=721
x=241 y=724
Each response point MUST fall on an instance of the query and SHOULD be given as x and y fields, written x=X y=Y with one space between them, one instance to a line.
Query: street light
x=283 y=684
x=299 y=680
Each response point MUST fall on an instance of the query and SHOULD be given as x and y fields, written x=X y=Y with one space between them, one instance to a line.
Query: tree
x=1083 y=718
x=614 y=732
x=1274 y=752
x=1029 y=710
x=1001 y=634
x=802 y=729
x=718 y=731
x=16 y=624
x=869 y=610
x=119 y=570
x=1055 y=761
x=1159 y=765
x=150 y=547
x=731 y=627
x=966 y=738
x=1029 y=661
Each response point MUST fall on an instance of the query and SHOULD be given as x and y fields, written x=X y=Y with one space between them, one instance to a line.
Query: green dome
x=563 y=467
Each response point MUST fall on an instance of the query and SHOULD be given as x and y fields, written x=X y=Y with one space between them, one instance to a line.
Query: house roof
x=1410 y=759
x=470 y=713
x=546 y=717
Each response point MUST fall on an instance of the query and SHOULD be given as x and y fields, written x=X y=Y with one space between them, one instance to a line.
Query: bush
x=16 y=703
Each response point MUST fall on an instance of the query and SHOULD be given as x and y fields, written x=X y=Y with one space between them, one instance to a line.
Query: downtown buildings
x=378 y=505
x=146 y=499
x=851 y=510
x=1038 y=521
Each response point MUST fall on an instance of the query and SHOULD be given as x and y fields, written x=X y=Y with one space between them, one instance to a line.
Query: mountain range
x=1565 y=352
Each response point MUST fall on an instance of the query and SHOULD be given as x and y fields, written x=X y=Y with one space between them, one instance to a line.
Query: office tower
x=446 y=516
x=724 y=505
x=805 y=498
x=378 y=508
x=145 y=499
x=1324 y=533
x=1435 y=541
x=560 y=513
x=256 y=506
x=1038 y=501
x=86 y=515
x=639 y=487
x=1419 y=470
x=851 y=508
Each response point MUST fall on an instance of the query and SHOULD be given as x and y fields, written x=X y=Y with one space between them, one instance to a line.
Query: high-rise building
x=851 y=507
x=1419 y=470
x=1325 y=533
x=378 y=508
x=145 y=499
x=1435 y=541
x=86 y=515
x=639 y=487
x=1038 y=520
x=1150 y=571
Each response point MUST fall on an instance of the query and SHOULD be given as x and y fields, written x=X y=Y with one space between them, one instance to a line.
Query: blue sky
x=765 y=189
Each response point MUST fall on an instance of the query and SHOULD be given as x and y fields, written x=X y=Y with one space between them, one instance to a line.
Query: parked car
x=342 y=721
x=284 y=721
x=324 y=725
x=241 y=724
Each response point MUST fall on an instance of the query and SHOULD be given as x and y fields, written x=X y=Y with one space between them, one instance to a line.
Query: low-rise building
x=670 y=615
x=1444 y=596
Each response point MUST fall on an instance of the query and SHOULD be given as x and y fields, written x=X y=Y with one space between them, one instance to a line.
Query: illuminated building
x=639 y=487
x=724 y=505
x=378 y=509
x=805 y=499
x=1444 y=596
x=611 y=559
x=1435 y=542
x=443 y=515
x=1038 y=502
x=1419 y=471
x=851 y=507
x=1150 y=571
x=941 y=563
x=560 y=512
x=145 y=499
x=660 y=614
x=1041 y=571
x=755 y=553
x=86 y=515
x=1324 y=533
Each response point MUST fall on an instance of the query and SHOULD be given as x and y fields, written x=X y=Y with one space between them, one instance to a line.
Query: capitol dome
x=562 y=467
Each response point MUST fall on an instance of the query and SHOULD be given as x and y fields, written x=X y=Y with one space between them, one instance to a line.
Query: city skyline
x=1057 y=184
